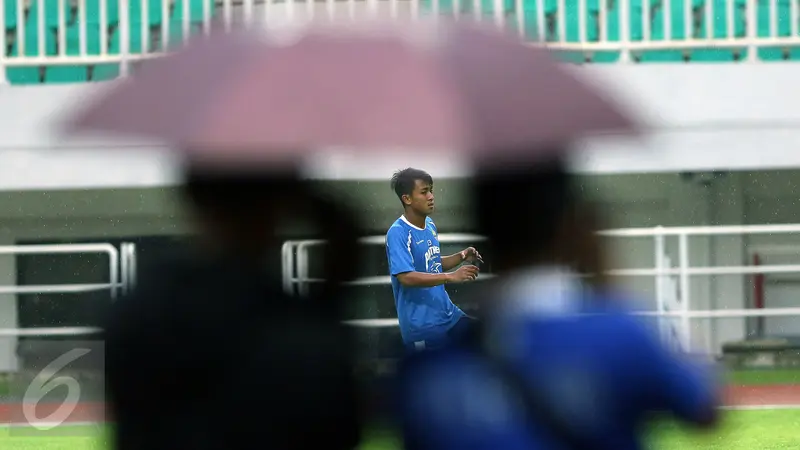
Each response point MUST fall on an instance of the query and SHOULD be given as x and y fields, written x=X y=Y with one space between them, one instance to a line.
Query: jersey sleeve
x=398 y=251
x=685 y=387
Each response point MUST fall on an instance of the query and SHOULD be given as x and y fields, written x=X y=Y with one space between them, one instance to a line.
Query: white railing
x=122 y=276
x=88 y=35
x=671 y=283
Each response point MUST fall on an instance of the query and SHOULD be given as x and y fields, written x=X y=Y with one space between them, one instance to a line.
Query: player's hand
x=470 y=254
x=464 y=273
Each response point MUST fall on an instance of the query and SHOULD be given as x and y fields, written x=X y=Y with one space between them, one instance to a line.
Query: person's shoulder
x=397 y=227
x=613 y=301
x=618 y=312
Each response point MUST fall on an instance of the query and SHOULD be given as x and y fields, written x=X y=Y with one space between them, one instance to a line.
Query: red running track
x=83 y=412
x=778 y=395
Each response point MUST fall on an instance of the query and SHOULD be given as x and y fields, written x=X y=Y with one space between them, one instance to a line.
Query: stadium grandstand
x=70 y=41
x=704 y=223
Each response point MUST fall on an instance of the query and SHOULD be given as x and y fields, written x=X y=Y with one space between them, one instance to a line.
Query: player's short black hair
x=403 y=181
x=521 y=208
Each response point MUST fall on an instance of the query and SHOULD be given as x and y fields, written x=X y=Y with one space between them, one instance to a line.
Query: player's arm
x=401 y=264
x=451 y=261
x=468 y=254
x=422 y=279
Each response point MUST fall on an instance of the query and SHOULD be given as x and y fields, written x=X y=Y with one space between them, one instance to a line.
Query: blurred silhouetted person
x=557 y=362
x=210 y=353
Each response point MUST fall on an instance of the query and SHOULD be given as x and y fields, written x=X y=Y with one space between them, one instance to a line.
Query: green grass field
x=764 y=377
x=740 y=430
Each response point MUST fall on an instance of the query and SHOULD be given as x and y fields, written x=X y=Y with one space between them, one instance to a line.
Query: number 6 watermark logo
x=44 y=382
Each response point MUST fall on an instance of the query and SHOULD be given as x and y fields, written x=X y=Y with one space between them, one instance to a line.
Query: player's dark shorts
x=455 y=333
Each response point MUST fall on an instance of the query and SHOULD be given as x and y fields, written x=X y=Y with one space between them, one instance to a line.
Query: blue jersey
x=604 y=373
x=425 y=314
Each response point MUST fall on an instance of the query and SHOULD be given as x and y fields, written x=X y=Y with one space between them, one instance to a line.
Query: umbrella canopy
x=236 y=96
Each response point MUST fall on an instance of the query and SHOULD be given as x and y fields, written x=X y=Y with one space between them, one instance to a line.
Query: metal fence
x=670 y=280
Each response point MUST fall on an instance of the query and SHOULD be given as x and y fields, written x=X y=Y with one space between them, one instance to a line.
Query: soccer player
x=428 y=318
x=541 y=373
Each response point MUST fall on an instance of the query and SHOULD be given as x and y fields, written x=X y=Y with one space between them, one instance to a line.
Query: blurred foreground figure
x=210 y=353
x=541 y=373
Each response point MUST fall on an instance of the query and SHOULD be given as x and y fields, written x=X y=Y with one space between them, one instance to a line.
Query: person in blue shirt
x=428 y=318
x=557 y=362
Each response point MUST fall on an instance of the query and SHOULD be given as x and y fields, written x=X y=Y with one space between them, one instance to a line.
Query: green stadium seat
x=614 y=27
x=104 y=72
x=68 y=74
x=51 y=13
x=10 y=10
x=636 y=25
x=153 y=21
x=51 y=73
x=155 y=11
x=27 y=74
x=465 y=8
x=95 y=26
x=719 y=30
x=678 y=30
x=196 y=10
x=593 y=30
x=112 y=12
x=11 y=14
x=83 y=72
x=611 y=27
x=173 y=16
x=783 y=28
x=80 y=73
x=196 y=14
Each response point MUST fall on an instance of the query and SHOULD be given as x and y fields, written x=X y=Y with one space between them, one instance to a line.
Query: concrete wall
x=698 y=117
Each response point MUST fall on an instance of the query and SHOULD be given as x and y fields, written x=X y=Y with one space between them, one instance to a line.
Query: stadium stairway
x=154 y=24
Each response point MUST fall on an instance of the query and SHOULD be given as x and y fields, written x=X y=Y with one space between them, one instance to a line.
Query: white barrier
x=672 y=284
x=673 y=296
x=68 y=34
x=122 y=276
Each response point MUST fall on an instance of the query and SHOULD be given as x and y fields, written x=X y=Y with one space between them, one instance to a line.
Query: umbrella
x=459 y=87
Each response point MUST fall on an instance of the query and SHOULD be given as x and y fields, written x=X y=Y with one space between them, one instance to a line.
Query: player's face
x=422 y=198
